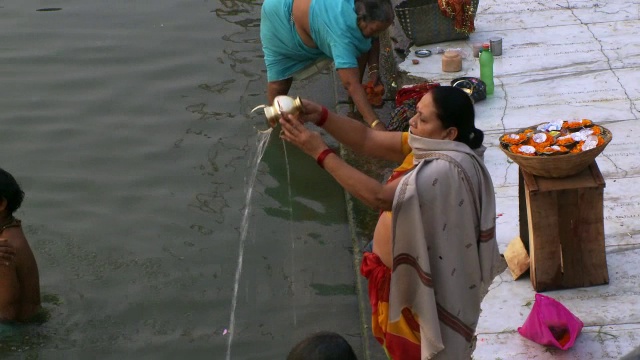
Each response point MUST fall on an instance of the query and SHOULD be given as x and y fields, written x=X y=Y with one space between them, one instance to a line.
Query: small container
x=476 y=49
x=496 y=46
x=451 y=61
x=281 y=103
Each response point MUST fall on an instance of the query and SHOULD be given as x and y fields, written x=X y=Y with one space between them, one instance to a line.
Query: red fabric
x=396 y=174
x=379 y=277
x=461 y=11
x=414 y=91
x=397 y=346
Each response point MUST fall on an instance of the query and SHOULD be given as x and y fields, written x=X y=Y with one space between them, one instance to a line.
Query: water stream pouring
x=281 y=103
x=263 y=140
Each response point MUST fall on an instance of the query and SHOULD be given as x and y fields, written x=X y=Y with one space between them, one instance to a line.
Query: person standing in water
x=302 y=36
x=19 y=277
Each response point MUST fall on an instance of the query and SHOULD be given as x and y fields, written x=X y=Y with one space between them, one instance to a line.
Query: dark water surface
x=126 y=124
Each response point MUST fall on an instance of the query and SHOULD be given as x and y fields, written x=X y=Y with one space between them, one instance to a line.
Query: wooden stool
x=562 y=227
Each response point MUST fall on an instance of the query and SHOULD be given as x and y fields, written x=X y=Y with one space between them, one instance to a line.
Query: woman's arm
x=358 y=184
x=9 y=286
x=373 y=61
x=28 y=278
x=368 y=190
x=354 y=134
x=7 y=252
x=350 y=78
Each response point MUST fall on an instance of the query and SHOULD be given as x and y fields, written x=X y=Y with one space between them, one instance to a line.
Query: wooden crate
x=562 y=227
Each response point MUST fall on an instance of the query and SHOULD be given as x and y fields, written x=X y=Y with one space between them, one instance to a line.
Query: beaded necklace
x=12 y=222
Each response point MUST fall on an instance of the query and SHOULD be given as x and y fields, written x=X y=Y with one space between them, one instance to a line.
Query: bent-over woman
x=301 y=35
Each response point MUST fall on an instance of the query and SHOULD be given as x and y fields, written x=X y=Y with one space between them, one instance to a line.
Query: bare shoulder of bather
x=19 y=280
x=300 y=15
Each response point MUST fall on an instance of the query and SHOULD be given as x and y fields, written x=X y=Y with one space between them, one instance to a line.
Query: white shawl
x=445 y=254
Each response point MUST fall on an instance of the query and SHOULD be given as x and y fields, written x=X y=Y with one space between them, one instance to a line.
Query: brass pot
x=281 y=103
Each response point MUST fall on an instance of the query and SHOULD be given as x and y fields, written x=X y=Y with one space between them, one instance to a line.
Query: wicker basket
x=423 y=23
x=558 y=166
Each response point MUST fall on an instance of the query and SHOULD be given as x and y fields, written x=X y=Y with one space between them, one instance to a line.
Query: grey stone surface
x=561 y=60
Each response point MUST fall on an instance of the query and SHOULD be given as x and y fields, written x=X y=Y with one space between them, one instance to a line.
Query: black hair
x=324 y=345
x=10 y=191
x=454 y=108
x=374 y=10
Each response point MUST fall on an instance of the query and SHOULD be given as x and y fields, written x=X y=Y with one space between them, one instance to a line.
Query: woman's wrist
x=373 y=68
x=323 y=155
x=324 y=115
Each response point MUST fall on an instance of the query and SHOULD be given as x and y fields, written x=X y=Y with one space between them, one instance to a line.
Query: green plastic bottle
x=486 y=67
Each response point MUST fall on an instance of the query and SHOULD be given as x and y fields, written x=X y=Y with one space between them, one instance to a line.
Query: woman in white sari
x=434 y=248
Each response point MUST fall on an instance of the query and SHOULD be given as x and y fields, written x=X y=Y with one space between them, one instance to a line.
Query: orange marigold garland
x=374 y=93
x=554 y=149
x=576 y=124
x=555 y=138
x=525 y=150
x=591 y=142
x=540 y=141
x=513 y=139
x=565 y=140
x=576 y=149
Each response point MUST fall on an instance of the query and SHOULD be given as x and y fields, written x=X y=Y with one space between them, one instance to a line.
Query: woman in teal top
x=296 y=34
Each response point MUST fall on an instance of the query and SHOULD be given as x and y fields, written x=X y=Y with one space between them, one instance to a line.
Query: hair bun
x=476 y=137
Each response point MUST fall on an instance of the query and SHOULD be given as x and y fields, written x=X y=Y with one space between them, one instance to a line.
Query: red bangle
x=324 y=115
x=323 y=155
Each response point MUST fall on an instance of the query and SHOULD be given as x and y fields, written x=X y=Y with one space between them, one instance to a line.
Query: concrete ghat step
x=609 y=312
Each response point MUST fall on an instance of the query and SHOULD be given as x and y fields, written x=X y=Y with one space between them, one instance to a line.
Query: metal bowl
x=422 y=53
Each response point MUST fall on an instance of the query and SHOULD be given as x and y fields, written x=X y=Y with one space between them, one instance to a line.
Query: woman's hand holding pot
x=294 y=131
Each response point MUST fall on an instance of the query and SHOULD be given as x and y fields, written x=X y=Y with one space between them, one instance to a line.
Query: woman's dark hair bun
x=475 y=138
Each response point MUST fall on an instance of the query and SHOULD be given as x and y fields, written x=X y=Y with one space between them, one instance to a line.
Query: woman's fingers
x=7 y=252
x=289 y=124
x=7 y=257
x=285 y=120
x=293 y=131
x=310 y=107
x=298 y=135
x=287 y=127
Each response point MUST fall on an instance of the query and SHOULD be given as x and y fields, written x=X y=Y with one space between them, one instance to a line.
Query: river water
x=126 y=123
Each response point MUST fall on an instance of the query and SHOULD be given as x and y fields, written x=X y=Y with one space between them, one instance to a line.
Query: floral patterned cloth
x=461 y=11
